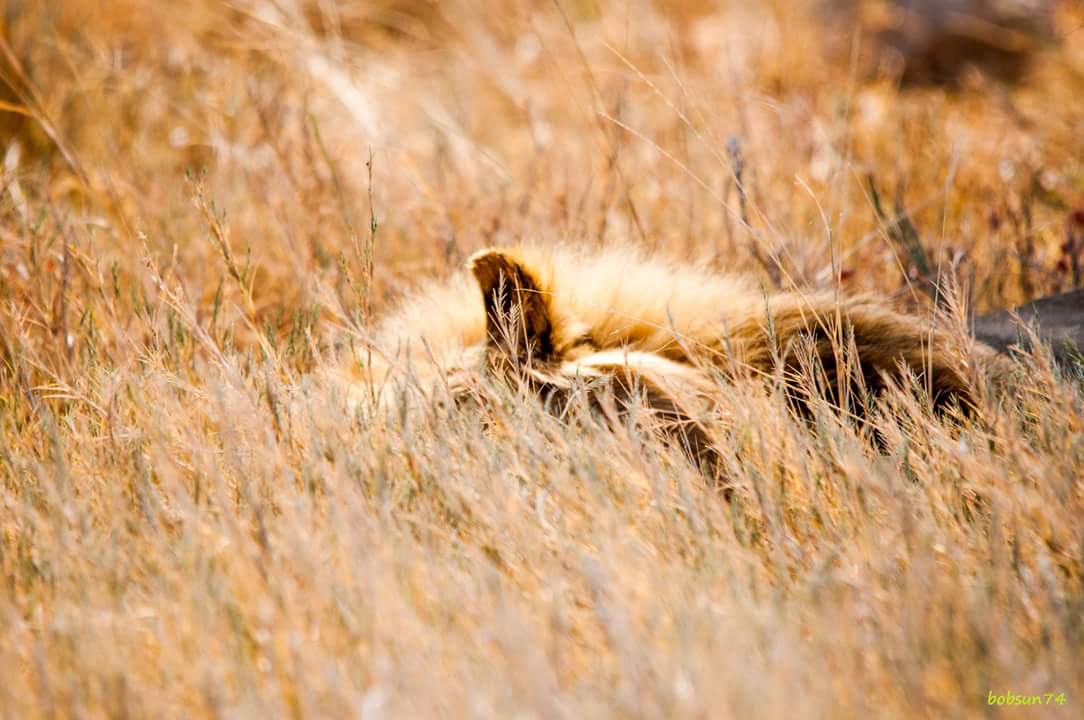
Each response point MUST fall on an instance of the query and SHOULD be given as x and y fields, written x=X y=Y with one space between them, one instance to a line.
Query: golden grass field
x=204 y=204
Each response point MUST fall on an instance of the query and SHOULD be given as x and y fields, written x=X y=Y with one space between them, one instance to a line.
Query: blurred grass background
x=200 y=203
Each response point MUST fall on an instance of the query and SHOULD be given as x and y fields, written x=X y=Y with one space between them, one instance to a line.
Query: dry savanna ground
x=204 y=203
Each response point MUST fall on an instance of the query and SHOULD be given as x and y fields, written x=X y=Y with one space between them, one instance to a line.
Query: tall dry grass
x=203 y=203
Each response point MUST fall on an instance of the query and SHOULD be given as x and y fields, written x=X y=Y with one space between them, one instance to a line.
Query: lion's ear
x=518 y=321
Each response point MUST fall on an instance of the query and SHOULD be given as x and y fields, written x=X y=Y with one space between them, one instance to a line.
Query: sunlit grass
x=193 y=521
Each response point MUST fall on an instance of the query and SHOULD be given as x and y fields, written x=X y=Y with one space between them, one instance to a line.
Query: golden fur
x=551 y=317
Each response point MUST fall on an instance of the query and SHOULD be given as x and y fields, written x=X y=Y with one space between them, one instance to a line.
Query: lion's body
x=564 y=323
x=619 y=300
